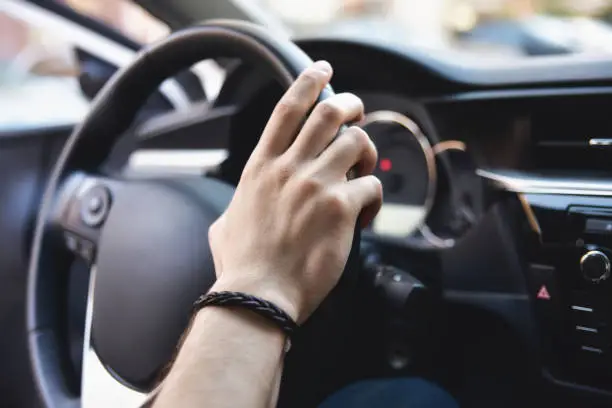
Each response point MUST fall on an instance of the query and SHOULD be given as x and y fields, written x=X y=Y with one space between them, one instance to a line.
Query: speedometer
x=406 y=167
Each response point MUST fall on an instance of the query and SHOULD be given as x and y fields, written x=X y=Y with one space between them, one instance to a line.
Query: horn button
x=153 y=261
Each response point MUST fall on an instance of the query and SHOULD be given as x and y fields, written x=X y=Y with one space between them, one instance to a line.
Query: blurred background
x=490 y=28
x=34 y=59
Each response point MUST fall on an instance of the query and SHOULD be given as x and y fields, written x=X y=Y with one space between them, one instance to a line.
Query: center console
x=569 y=275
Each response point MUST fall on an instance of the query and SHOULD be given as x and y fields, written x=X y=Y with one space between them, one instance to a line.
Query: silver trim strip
x=99 y=389
x=520 y=182
x=90 y=41
x=592 y=349
x=582 y=309
x=600 y=142
x=587 y=329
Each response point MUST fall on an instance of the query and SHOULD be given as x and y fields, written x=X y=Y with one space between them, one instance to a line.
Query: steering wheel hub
x=153 y=262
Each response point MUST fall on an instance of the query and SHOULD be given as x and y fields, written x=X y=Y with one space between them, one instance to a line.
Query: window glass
x=136 y=23
x=480 y=28
x=38 y=77
x=128 y=18
x=38 y=68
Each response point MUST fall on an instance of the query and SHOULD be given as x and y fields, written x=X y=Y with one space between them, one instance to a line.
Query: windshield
x=498 y=28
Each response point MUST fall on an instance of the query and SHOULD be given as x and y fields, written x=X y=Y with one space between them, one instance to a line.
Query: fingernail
x=323 y=66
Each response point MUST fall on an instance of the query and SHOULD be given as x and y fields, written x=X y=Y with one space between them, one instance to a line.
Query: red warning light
x=543 y=293
x=385 y=164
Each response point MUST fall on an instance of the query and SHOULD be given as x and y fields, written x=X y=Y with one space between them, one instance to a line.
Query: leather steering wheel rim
x=111 y=113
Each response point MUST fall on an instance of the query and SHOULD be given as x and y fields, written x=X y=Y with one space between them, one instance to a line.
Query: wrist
x=262 y=289
x=237 y=325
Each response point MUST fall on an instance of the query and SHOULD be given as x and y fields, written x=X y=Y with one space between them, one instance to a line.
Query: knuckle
x=356 y=100
x=309 y=186
x=373 y=150
x=330 y=112
x=251 y=169
x=288 y=107
x=337 y=205
x=377 y=185
x=361 y=138
x=283 y=169
x=311 y=78
x=213 y=230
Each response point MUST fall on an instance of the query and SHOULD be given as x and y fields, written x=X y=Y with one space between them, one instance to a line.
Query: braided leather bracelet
x=262 y=307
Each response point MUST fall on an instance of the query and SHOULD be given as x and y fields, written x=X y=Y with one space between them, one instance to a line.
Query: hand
x=287 y=233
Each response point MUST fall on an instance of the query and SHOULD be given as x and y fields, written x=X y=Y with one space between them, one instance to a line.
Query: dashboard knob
x=595 y=266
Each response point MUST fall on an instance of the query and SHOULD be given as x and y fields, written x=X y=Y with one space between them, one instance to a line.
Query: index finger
x=293 y=108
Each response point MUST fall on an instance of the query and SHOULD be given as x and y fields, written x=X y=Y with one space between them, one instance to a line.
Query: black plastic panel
x=574 y=310
x=451 y=68
x=488 y=259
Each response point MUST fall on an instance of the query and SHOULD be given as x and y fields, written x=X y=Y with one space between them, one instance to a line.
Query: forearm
x=230 y=358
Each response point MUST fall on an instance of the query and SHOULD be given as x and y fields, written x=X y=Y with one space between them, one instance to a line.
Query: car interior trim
x=449 y=145
x=522 y=182
x=600 y=142
x=540 y=92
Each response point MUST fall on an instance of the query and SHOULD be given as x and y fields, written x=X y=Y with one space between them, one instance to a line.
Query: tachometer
x=407 y=170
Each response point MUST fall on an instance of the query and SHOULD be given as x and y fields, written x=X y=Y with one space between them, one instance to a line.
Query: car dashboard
x=509 y=169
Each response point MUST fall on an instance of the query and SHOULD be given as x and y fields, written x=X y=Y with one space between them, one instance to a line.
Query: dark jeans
x=391 y=393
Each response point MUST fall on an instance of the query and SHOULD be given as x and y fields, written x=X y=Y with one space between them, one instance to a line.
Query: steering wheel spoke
x=81 y=208
x=99 y=388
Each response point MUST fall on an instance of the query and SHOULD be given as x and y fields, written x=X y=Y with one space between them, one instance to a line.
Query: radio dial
x=595 y=266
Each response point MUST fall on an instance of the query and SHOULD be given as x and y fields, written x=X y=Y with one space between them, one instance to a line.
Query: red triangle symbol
x=543 y=293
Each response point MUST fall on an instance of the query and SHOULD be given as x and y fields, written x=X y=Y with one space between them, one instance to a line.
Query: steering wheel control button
x=95 y=205
x=72 y=242
x=595 y=266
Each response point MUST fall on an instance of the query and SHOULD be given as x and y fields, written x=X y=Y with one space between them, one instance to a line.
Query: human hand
x=287 y=233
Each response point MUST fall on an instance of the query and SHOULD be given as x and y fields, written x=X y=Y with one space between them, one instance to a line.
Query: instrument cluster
x=432 y=194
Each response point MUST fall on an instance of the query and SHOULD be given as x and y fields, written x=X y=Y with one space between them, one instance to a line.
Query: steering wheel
x=145 y=240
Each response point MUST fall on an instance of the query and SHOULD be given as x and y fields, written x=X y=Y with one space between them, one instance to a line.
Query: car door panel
x=25 y=157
